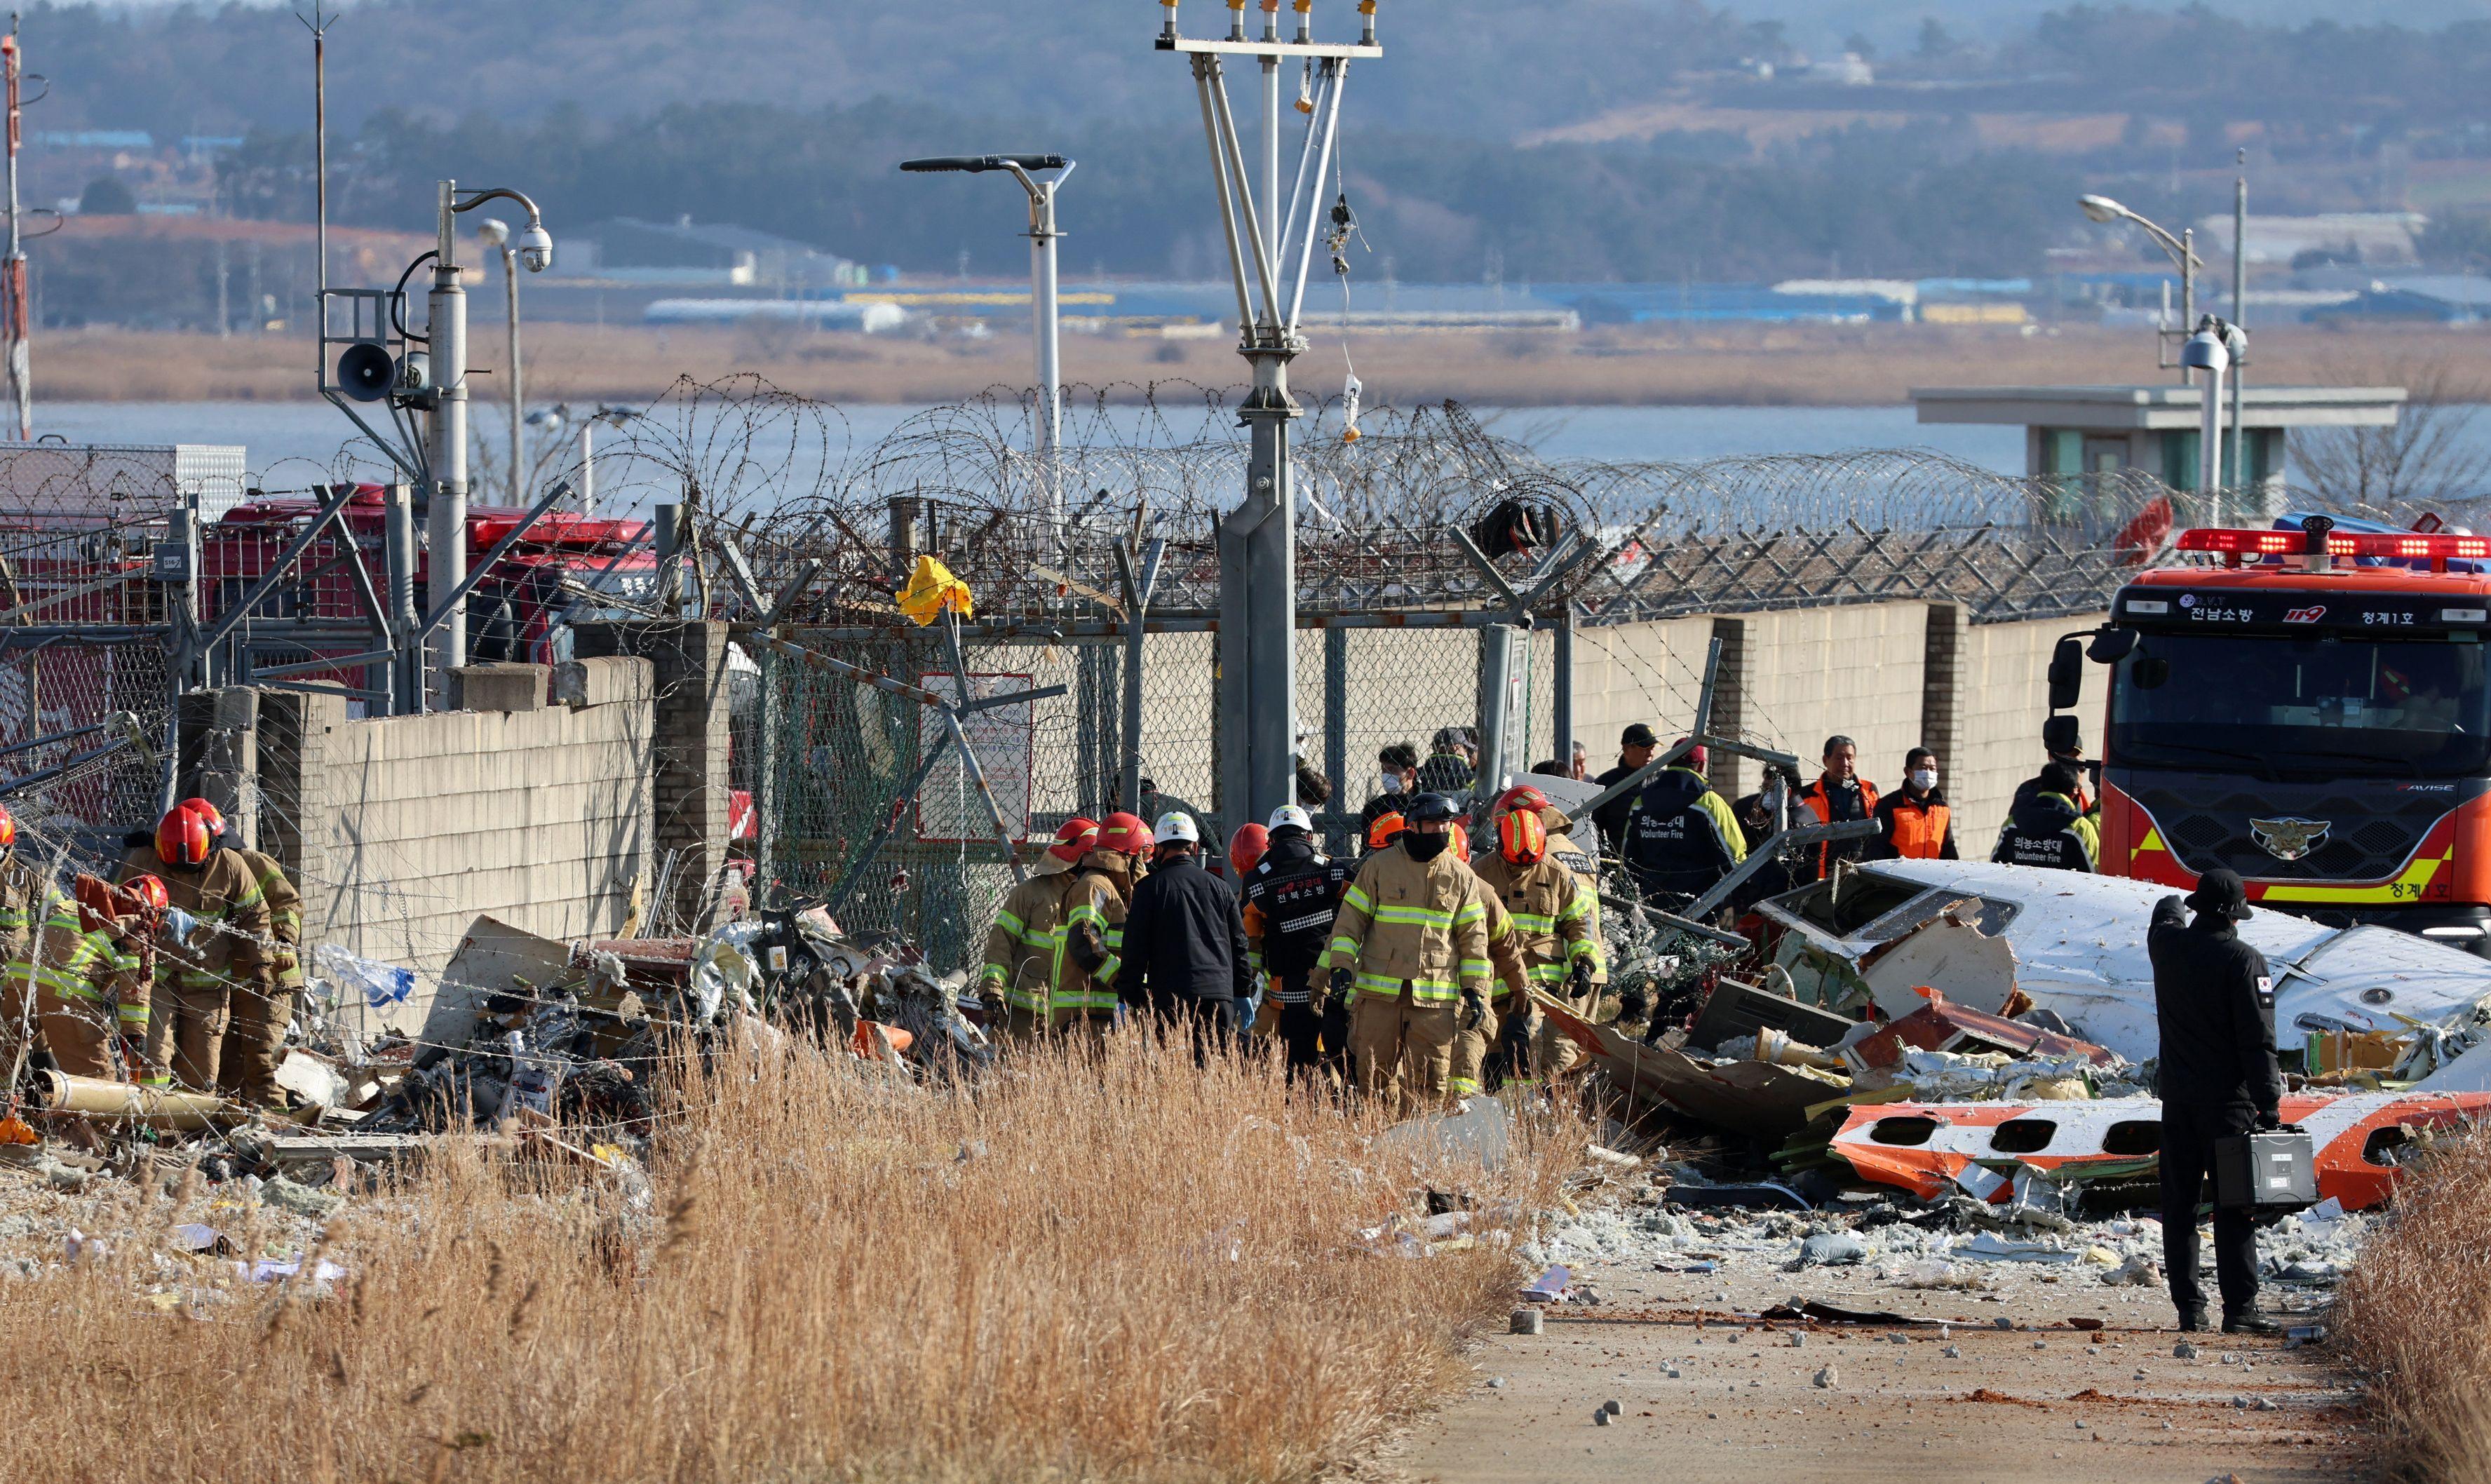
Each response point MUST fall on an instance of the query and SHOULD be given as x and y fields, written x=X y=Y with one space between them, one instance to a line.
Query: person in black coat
x=2215 y=1000
x=1185 y=940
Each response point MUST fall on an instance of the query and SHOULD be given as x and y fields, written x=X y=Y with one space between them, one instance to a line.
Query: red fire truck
x=2307 y=706
x=511 y=610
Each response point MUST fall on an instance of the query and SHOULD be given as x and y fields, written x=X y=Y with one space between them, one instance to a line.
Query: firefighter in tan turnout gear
x=224 y=952
x=1556 y=933
x=81 y=978
x=1025 y=948
x=1410 y=952
x=256 y=1039
x=22 y=893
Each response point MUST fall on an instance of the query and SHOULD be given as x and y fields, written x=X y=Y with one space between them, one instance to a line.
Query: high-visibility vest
x=1919 y=829
x=1823 y=808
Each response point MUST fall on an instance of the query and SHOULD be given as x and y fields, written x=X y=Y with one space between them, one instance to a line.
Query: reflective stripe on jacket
x=227 y=946
x=68 y=963
x=1091 y=906
x=1423 y=923
x=1551 y=912
x=1027 y=938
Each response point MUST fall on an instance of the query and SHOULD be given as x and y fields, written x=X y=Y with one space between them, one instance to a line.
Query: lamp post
x=496 y=233
x=446 y=432
x=1042 y=236
x=2207 y=350
x=2181 y=249
x=558 y=417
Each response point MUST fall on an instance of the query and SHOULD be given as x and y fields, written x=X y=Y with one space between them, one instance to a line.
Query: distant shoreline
x=1731 y=365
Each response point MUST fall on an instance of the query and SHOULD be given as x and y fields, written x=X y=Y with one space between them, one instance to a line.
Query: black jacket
x=2216 y=1002
x=1444 y=773
x=1292 y=893
x=1610 y=818
x=1679 y=834
x=2046 y=830
x=1184 y=938
x=1883 y=847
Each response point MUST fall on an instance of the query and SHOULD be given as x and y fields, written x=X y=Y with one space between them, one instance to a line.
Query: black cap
x=1428 y=808
x=1638 y=735
x=2220 y=893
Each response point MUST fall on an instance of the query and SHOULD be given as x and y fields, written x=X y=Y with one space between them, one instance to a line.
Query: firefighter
x=1245 y=848
x=1914 y=821
x=1291 y=897
x=1838 y=796
x=83 y=980
x=255 y=1039
x=225 y=951
x=22 y=893
x=2049 y=829
x=1552 y=1052
x=1399 y=772
x=1680 y=836
x=1510 y=992
x=1085 y=999
x=2214 y=1001
x=1025 y=946
x=1409 y=956
x=1555 y=926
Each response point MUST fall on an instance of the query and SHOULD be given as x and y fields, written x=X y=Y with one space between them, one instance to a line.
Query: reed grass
x=1099 y=1263
x=2414 y=1318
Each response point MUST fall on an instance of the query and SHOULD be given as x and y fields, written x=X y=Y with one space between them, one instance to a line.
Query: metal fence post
x=1495 y=706
x=1561 y=689
x=1336 y=654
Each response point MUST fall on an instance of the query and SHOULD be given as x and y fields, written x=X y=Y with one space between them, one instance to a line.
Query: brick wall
x=402 y=830
x=690 y=793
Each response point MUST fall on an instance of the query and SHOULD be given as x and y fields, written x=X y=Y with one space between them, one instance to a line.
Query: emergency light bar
x=2409 y=545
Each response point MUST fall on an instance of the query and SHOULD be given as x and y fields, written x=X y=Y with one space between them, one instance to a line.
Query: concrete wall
x=693 y=732
x=1889 y=675
x=401 y=830
x=2003 y=698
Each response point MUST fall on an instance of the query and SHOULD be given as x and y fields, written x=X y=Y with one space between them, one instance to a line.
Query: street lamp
x=2181 y=249
x=559 y=415
x=2209 y=350
x=496 y=233
x=1042 y=235
x=445 y=323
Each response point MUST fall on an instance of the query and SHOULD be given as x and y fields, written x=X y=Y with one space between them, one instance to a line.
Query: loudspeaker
x=365 y=371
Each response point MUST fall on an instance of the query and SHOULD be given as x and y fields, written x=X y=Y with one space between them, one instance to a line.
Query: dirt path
x=2043 y=1401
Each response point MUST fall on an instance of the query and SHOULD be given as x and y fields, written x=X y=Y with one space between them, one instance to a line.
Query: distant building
x=2436 y=299
x=681 y=252
x=2381 y=239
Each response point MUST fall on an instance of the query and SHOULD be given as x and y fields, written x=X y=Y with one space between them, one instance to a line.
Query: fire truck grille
x=2368 y=838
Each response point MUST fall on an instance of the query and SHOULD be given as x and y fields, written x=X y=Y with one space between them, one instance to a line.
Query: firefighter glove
x=1578 y=980
x=1342 y=981
x=1474 y=1009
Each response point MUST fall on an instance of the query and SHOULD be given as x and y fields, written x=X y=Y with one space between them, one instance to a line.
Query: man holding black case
x=2215 y=999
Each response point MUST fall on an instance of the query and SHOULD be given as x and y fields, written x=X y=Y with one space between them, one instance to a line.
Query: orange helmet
x=1386 y=829
x=1522 y=838
x=1246 y=847
x=7 y=832
x=183 y=838
x=1460 y=845
x=150 y=892
x=1125 y=834
x=1076 y=839
x=209 y=812
x=1522 y=796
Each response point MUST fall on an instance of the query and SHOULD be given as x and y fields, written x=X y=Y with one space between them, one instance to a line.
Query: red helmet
x=1246 y=847
x=1522 y=796
x=183 y=838
x=209 y=812
x=1125 y=834
x=1076 y=839
x=7 y=832
x=1522 y=838
x=150 y=892
x=1386 y=829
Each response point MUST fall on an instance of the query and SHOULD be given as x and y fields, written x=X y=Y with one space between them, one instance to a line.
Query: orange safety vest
x=1823 y=808
x=1919 y=829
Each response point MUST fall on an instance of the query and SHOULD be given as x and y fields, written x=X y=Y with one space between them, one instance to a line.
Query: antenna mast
x=318 y=26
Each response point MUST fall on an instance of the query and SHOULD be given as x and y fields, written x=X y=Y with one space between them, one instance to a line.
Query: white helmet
x=1176 y=825
x=1289 y=816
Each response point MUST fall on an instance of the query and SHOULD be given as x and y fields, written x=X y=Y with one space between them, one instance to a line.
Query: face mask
x=1423 y=848
x=1924 y=778
x=1392 y=783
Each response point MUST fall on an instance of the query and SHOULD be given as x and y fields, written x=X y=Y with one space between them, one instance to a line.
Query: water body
x=292 y=445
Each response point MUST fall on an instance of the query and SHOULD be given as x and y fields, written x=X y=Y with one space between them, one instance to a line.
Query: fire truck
x=2307 y=706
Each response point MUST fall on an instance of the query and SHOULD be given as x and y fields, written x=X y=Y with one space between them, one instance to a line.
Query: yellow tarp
x=931 y=589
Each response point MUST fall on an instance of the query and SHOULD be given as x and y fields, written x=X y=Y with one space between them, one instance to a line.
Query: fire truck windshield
x=2324 y=704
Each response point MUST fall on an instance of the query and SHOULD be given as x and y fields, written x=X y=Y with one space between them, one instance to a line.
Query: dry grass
x=1103 y=1266
x=2415 y=1318
x=1717 y=365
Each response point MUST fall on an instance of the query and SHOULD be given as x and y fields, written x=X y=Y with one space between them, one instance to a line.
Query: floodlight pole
x=14 y=300
x=2239 y=315
x=1258 y=631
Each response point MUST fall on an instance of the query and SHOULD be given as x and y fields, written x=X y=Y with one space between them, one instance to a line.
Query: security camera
x=536 y=248
x=493 y=231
